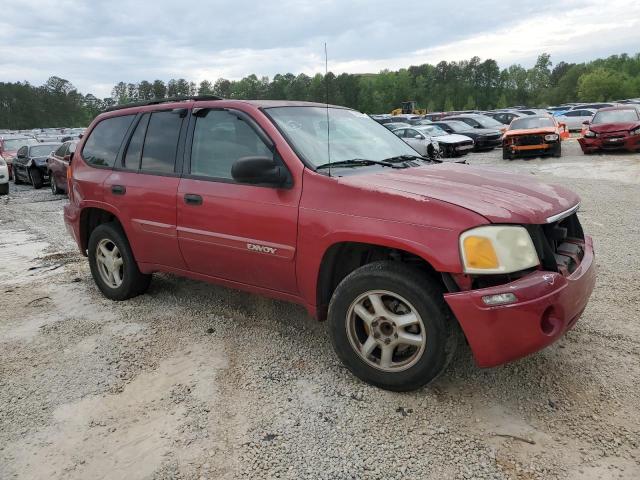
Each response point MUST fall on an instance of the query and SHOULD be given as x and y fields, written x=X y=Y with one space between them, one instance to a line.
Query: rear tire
x=132 y=282
x=36 y=178
x=366 y=316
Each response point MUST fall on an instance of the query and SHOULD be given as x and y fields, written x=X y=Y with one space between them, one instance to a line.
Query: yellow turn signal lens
x=479 y=252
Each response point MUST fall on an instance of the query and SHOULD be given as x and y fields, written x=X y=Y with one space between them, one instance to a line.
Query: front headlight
x=635 y=131
x=590 y=134
x=498 y=249
x=551 y=138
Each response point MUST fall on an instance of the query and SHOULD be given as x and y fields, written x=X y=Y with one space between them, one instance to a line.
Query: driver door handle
x=192 y=199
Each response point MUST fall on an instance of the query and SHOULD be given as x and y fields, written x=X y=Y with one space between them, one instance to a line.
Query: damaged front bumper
x=547 y=305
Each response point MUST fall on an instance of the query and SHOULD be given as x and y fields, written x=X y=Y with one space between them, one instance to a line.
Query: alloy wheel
x=110 y=263
x=386 y=331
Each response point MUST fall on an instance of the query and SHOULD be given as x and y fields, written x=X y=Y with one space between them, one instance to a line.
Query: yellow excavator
x=409 y=108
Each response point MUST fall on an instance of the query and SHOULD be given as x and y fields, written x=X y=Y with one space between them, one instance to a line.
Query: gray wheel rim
x=110 y=263
x=386 y=331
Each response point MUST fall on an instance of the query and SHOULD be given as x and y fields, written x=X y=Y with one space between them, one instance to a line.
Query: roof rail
x=156 y=101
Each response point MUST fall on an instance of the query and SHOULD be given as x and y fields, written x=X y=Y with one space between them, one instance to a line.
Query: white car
x=451 y=145
x=423 y=144
x=4 y=177
x=573 y=119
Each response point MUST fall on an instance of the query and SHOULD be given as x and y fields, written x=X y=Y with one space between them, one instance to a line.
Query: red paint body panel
x=420 y=210
x=504 y=333
x=58 y=168
x=148 y=214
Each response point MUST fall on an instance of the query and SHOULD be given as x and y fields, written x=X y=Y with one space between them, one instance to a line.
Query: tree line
x=456 y=85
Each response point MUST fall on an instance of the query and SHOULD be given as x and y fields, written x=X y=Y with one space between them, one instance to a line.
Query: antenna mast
x=326 y=83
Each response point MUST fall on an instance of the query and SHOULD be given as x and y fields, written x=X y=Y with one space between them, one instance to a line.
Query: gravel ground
x=197 y=381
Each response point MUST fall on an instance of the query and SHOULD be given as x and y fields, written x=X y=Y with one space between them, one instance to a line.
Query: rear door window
x=134 y=150
x=161 y=142
x=103 y=144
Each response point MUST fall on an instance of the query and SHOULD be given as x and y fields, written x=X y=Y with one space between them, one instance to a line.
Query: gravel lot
x=197 y=381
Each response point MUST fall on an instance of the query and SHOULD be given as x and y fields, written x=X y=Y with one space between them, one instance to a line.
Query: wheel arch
x=90 y=218
x=343 y=257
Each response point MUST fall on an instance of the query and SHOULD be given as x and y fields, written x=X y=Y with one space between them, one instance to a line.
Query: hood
x=613 y=127
x=498 y=196
x=530 y=131
x=453 y=138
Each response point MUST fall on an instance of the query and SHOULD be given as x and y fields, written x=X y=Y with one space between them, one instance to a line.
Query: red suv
x=324 y=207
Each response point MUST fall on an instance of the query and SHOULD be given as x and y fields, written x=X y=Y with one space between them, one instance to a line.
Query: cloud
x=96 y=44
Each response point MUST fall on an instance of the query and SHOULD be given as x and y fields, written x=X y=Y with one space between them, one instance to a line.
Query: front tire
x=557 y=151
x=390 y=326
x=113 y=267
x=4 y=188
x=16 y=180
x=54 y=185
x=506 y=154
x=36 y=178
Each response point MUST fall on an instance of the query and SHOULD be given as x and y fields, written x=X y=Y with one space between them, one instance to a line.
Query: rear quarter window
x=103 y=144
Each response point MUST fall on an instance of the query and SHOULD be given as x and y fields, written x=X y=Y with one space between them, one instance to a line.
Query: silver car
x=574 y=119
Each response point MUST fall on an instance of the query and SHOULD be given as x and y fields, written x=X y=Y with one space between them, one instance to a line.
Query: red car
x=400 y=253
x=613 y=128
x=9 y=148
x=57 y=165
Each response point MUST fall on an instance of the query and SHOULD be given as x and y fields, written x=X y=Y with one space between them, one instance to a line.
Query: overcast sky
x=95 y=44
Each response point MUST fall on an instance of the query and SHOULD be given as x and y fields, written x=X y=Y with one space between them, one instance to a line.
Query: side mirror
x=259 y=171
x=67 y=157
x=419 y=137
x=586 y=122
x=21 y=155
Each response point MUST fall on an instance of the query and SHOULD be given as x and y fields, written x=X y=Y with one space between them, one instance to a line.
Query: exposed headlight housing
x=635 y=131
x=590 y=134
x=497 y=249
x=550 y=138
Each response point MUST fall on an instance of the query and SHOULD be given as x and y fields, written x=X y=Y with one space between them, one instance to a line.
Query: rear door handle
x=118 y=189
x=192 y=199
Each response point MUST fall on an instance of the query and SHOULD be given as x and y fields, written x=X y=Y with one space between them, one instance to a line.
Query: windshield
x=615 y=116
x=488 y=122
x=14 y=144
x=458 y=126
x=41 y=150
x=432 y=130
x=352 y=135
x=528 y=123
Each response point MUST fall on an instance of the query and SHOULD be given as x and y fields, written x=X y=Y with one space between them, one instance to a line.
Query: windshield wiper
x=407 y=158
x=357 y=162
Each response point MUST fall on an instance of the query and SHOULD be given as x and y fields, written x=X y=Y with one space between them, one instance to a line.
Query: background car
x=9 y=146
x=4 y=177
x=58 y=163
x=574 y=119
x=394 y=125
x=451 y=145
x=539 y=135
x=483 y=138
x=421 y=143
x=477 y=120
x=613 y=128
x=30 y=164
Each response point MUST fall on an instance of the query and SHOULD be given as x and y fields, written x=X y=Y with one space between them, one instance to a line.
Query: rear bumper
x=548 y=305
x=630 y=143
x=72 y=222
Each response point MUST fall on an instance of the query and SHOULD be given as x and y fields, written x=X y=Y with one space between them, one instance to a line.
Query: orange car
x=535 y=135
